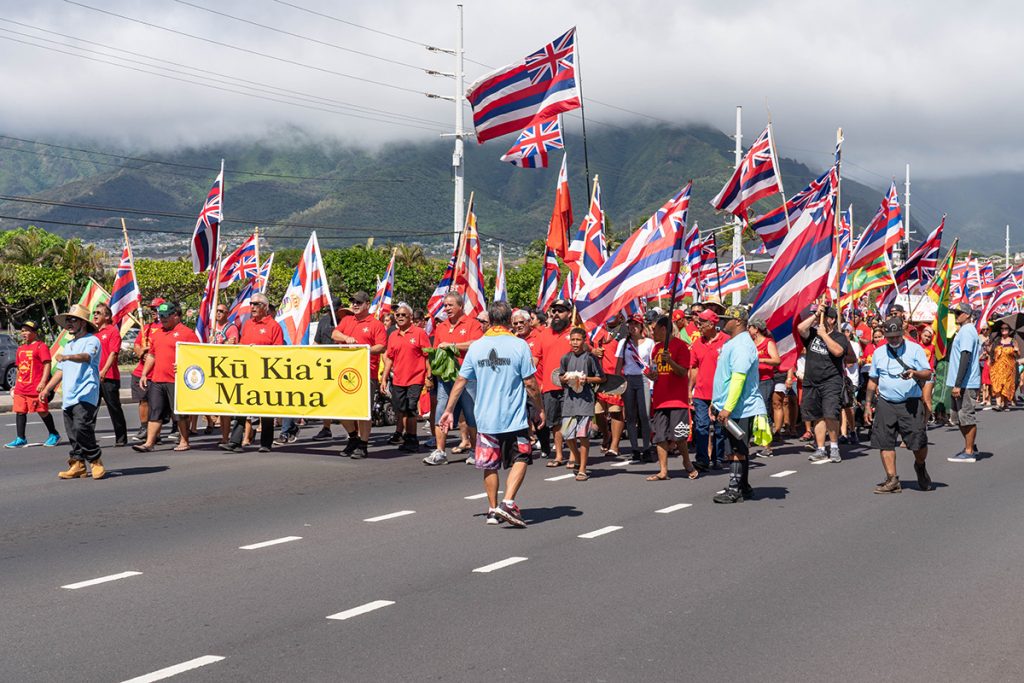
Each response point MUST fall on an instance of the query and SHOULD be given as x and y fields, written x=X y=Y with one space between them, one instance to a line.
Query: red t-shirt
x=704 y=357
x=264 y=332
x=466 y=330
x=145 y=333
x=369 y=331
x=551 y=346
x=110 y=343
x=929 y=350
x=764 y=371
x=671 y=390
x=408 y=360
x=608 y=345
x=865 y=333
x=163 y=346
x=30 y=359
x=692 y=330
x=532 y=338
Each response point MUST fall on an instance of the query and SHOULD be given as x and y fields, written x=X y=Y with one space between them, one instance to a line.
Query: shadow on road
x=770 y=492
x=539 y=515
x=131 y=471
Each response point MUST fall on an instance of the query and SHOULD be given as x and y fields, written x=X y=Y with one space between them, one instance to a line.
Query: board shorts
x=576 y=427
x=496 y=451
x=29 y=404
x=670 y=424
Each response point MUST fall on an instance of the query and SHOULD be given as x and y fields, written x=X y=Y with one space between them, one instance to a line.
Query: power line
x=322 y=15
x=246 y=50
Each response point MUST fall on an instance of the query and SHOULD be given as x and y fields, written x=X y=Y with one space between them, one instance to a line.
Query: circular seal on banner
x=194 y=377
x=350 y=380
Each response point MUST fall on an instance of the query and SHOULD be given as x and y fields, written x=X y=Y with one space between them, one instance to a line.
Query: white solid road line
x=176 y=669
x=264 y=544
x=102 y=579
x=561 y=477
x=488 y=568
x=783 y=473
x=819 y=462
x=478 y=496
x=619 y=464
x=392 y=515
x=673 y=508
x=362 y=609
x=600 y=532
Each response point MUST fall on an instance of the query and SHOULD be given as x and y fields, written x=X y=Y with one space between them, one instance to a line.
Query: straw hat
x=77 y=311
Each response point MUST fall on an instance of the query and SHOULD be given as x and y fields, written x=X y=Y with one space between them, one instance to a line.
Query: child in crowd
x=579 y=371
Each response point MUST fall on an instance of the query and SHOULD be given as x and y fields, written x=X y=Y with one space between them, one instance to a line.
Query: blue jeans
x=709 y=446
x=464 y=407
x=289 y=426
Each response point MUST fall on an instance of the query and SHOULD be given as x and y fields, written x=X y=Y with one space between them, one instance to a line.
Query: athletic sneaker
x=360 y=451
x=53 y=439
x=963 y=456
x=511 y=514
x=17 y=443
x=410 y=445
x=492 y=518
x=890 y=485
x=818 y=455
x=396 y=438
x=436 y=458
x=323 y=435
x=924 y=482
x=471 y=460
x=854 y=439
x=729 y=496
x=747 y=491
x=285 y=439
x=833 y=454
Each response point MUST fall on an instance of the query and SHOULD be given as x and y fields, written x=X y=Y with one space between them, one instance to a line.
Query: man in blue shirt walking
x=736 y=400
x=898 y=372
x=501 y=364
x=78 y=373
x=964 y=378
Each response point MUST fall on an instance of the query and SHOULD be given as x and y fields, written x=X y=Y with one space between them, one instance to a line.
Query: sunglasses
x=401 y=315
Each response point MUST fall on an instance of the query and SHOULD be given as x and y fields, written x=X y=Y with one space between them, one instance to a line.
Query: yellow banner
x=329 y=382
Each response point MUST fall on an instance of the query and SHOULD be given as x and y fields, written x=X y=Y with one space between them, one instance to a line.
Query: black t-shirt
x=324 y=327
x=820 y=365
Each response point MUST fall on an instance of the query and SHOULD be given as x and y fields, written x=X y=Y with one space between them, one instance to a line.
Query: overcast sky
x=930 y=83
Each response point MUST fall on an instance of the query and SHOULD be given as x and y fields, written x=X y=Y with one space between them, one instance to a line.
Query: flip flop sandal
x=459 y=450
x=570 y=465
x=692 y=474
x=582 y=476
x=554 y=463
x=658 y=477
x=179 y=449
x=142 y=448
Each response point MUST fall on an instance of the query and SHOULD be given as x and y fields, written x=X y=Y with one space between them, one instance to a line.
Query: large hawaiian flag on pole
x=307 y=293
x=733 y=278
x=1006 y=296
x=124 y=295
x=754 y=179
x=240 y=264
x=772 y=227
x=588 y=250
x=799 y=272
x=644 y=263
x=380 y=306
x=204 y=319
x=548 y=291
x=707 y=274
x=561 y=215
x=263 y=277
x=534 y=145
x=540 y=86
x=882 y=234
x=435 y=304
x=206 y=234
x=469 y=270
x=500 y=291
x=240 y=309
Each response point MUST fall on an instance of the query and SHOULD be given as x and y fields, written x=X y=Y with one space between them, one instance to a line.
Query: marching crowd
x=512 y=383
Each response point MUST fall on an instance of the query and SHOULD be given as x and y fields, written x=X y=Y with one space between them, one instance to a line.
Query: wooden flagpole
x=130 y=321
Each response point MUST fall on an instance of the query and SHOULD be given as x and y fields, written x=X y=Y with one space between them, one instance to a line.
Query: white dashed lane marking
x=674 y=508
x=622 y=463
x=783 y=473
x=102 y=579
x=176 y=669
x=488 y=568
x=478 y=496
x=391 y=515
x=599 y=532
x=561 y=477
x=265 y=544
x=362 y=609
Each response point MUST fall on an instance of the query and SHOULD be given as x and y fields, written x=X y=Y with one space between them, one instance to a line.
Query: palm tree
x=79 y=259
x=410 y=254
x=31 y=247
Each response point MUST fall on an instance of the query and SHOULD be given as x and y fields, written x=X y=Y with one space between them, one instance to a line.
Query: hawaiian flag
x=882 y=234
x=986 y=274
x=240 y=309
x=1006 y=297
x=548 y=291
x=919 y=269
x=204 y=319
x=707 y=273
x=500 y=292
x=568 y=291
x=648 y=260
x=380 y=306
x=799 y=272
x=435 y=304
x=469 y=269
x=240 y=264
x=205 y=236
x=733 y=278
x=561 y=215
x=588 y=250
x=261 y=279
x=124 y=295
x=307 y=293
x=532 y=148
x=540 y=86
x=772 y=226
x=754 y=179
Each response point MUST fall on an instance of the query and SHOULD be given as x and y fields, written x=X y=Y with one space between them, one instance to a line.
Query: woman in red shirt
x=767 y=365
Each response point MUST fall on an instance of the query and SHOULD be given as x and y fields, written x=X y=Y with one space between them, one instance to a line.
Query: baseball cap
x=561 y=303
x=166 y=309
x=636 y=318
x=678 y=314
x=893 y=327
x=708 y=315
x=736 y=313
x=897 y=308
x=361 y=297
x=29 y=325
x=831 y=312
x=156 y=302
x=962 y=307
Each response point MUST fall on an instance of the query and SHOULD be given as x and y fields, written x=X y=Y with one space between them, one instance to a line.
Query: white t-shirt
x=853 y=369
x=629 y=364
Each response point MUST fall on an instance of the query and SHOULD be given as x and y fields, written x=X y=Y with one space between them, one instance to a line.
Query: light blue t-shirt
x=965 y=340
x=81 y=381
x=738 y=355
x=499 y=363
x=887 y=370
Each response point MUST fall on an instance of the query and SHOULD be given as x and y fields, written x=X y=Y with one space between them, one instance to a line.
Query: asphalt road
x=815 y=579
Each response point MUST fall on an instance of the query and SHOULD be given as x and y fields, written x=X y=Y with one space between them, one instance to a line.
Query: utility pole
x=737 y=234
x=906 y=213
x=1007 y=246
x=458 y=156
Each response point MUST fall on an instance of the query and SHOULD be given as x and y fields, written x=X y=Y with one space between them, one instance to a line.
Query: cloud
x=909 y=82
